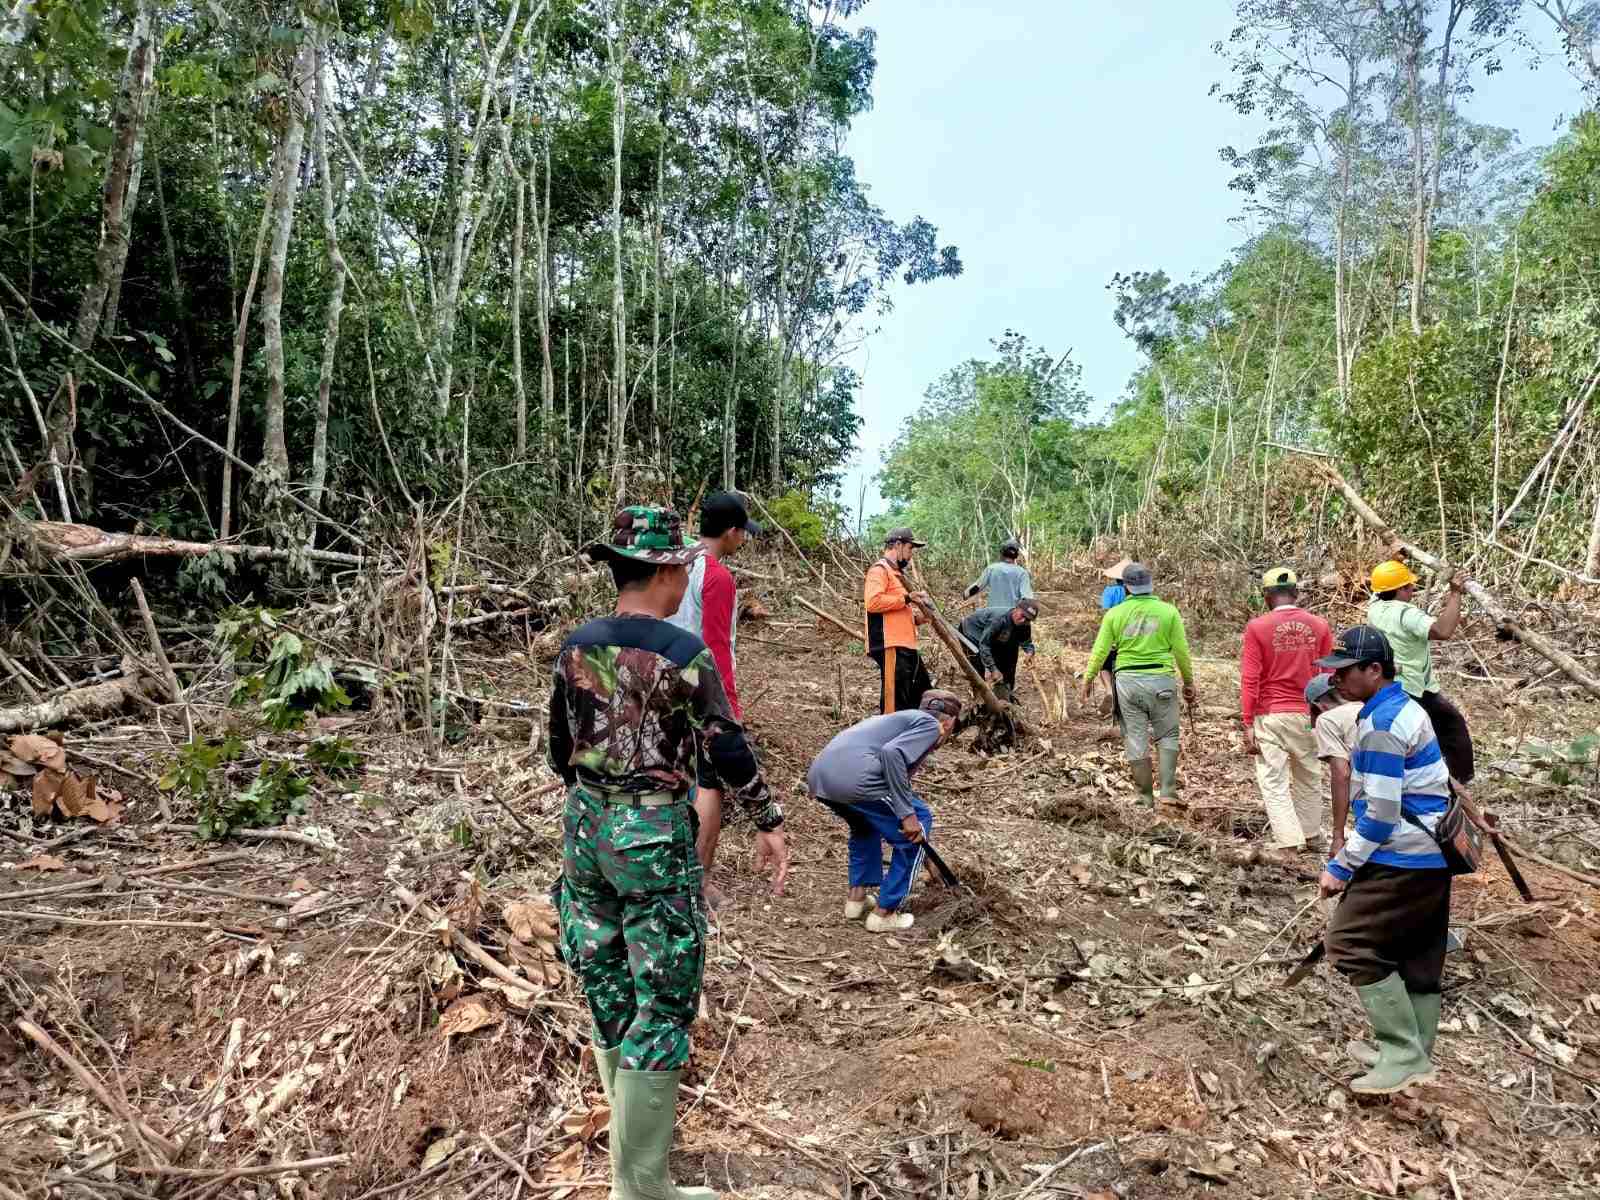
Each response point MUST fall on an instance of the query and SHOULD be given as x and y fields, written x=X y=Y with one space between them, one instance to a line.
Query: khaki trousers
x=1290 y=778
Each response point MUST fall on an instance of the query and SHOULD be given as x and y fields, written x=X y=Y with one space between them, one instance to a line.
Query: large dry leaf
x=16 y=768
x=39 y=750
x=75 y=796
x=566 y=1167
x=45 y=786
x=42 y=862
x=587 y=1124
x=465 y=1015
x=442 y=1149
x=530 y=922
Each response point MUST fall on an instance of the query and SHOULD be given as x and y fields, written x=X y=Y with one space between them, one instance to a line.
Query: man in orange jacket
x=891 y=625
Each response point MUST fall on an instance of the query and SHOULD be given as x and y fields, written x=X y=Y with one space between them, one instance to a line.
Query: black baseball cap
x=723 y=511
x=903 y=534
x=1357 y=646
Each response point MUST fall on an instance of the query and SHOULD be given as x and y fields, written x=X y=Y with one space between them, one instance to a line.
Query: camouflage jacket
x=631 y=693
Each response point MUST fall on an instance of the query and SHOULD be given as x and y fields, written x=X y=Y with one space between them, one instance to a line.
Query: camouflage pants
x=631 y=925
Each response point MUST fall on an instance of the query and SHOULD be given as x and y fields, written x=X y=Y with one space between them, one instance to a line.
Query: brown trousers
x=1392 y=919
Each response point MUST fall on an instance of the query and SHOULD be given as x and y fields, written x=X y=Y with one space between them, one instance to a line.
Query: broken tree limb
x=140 y=1128
x=848 y=632
x=1557 y=657
x=70 y=542
x=980 y=685
x=954 y=643
x=97 y=700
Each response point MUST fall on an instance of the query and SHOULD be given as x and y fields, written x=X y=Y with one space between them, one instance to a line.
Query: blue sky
x=1057 y=142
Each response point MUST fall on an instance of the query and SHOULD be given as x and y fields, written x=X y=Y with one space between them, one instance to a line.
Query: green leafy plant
x=198 y=773
x=804 y=525
x=292 y=683
x=335 y=755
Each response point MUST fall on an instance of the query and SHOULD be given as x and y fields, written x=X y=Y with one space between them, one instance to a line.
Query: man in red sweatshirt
x=710 y=611
x=1280 y=651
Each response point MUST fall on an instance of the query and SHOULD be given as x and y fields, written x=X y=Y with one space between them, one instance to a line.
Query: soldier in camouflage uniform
x=631 y=695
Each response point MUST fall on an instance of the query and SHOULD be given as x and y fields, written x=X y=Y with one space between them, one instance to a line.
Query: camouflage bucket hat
x=646 y=534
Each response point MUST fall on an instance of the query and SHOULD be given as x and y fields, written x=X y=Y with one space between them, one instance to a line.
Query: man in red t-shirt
x=1279 y=658
x=710 y=611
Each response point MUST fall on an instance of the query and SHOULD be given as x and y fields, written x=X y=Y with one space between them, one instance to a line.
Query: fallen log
x=85 y=703
x=1397 y=546
x=62 y=541
x=952 y=641
x=848 y=632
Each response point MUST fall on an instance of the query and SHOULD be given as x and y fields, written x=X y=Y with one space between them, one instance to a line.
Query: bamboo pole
x=1396 y=545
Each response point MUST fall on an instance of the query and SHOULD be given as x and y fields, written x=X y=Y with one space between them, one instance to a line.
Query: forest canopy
x=267 y=270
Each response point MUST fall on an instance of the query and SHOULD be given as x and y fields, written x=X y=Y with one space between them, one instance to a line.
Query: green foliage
x=283 y=674
x=198 y=773
x=335 y=755
x=794 y=513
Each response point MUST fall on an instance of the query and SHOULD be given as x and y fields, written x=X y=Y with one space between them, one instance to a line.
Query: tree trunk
x=108 y=323
x=547 y=378
x=285 y=190
x=225 y=526
x=341 y=273
x=518 y=383
x=464 y=202
x=180 y=294
x=619 y=310
x=655 y=324
x=127 y=133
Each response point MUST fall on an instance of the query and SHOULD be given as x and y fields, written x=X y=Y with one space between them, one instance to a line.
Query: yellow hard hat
x=1280 y=577
x=1391 y=576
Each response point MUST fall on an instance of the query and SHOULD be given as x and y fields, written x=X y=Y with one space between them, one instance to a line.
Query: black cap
x=723 y=511
x=1357 y=646
x=1029 y=606
x=903 y=534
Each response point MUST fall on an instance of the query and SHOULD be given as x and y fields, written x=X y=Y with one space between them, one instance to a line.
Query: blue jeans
x=872 y=822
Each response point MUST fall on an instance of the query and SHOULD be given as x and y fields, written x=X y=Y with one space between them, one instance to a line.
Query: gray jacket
x=874 y=760
x=1007 y=584
x=989 y=626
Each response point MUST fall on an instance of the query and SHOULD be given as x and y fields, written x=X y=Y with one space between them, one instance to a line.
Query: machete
x=1501 y=849
x=945 y=873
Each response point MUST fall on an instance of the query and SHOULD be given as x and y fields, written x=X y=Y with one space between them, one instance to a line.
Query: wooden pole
x=952 y=641
x=1396 y=545
x=848 y=632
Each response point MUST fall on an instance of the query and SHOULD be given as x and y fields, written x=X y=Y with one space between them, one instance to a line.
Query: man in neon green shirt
x=1152 y=647
x=1410 y=631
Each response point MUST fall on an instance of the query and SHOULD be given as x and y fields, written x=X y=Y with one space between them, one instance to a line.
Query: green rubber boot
x=1426 y=1010
x=1401 y=1058
x=606 y=1062
x=1169 y=773
x=641 y=1131
x=1143 y=781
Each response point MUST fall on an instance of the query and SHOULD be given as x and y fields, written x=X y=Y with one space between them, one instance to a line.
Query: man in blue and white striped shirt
x=1387 y=935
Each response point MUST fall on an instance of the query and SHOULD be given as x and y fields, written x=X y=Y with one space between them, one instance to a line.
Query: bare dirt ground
x=1103 y=1014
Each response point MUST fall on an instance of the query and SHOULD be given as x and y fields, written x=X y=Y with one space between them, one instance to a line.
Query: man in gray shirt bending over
x=1007 y=581
x=864 y=776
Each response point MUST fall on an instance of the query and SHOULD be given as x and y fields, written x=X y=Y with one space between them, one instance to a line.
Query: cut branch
x=1396 y=545
x=66 y=542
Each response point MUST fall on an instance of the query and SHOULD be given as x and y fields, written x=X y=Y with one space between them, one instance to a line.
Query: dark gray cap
x=903 y=534
x=1357 y=645
x=1320 y=688
x=1136 y=578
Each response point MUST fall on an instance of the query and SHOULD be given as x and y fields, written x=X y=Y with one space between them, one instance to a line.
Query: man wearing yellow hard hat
x=1410 y=630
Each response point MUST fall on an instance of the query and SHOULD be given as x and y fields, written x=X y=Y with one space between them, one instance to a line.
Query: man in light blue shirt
x=1007 y=581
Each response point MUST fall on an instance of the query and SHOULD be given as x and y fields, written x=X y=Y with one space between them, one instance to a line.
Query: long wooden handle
x=1512 y=870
